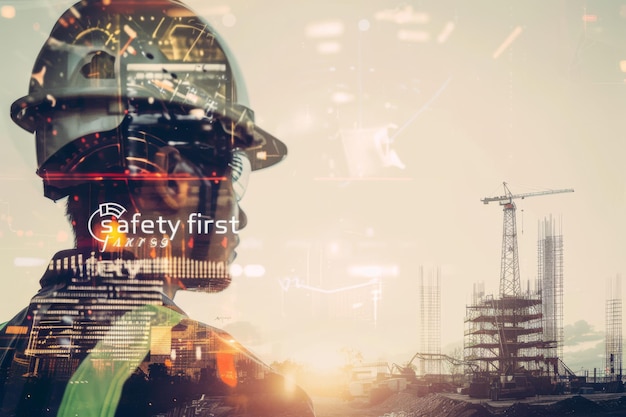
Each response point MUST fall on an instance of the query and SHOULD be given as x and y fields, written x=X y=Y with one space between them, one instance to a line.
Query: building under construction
x=517 y=335
x=430 y=322
x=613 y=343
x=504 y=336
x=550 y=282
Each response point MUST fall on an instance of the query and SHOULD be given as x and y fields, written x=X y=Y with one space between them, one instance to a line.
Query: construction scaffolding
x=613 y=345
x=430 y=320
x=505 y=335
x=550 y=281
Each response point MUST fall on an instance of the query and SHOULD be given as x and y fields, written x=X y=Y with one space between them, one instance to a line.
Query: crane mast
x=510 y=285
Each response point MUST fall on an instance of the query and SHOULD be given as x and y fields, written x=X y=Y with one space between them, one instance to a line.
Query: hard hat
x=111 y=69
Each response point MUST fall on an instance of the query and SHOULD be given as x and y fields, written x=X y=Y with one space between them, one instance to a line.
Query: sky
x=399 y=116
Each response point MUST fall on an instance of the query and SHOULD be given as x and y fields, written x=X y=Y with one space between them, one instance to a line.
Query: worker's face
x=170 y=203
x=193 y=205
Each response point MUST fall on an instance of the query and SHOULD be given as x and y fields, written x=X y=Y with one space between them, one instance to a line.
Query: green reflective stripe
x=3 y=325
x=95 y=392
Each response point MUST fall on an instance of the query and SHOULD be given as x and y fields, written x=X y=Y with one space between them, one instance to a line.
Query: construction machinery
x=509 y=264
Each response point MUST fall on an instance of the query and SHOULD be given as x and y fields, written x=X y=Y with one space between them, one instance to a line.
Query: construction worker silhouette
x=141 y=121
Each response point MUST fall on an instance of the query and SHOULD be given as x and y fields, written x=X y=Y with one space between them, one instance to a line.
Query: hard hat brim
x=263 y=151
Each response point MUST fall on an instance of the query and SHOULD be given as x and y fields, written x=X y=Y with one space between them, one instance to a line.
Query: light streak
x=324 y=29
x=131 y=37
x=413 y=35
x=75 y=12
x=507 y=42
x=445 y=33
x=362 y=178
x=342 y=97
x=402 y=16
x=422 y=109
x=157 y=28
x=127 y=176
x=195 y=41
x=329 y=47
x=298 y=284
x=28 y=262
x=373 y=270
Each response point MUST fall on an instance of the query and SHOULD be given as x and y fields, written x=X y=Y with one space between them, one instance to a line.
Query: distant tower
x=613 y=352
x=550 y=276
x=430 y=319
x=509 y=263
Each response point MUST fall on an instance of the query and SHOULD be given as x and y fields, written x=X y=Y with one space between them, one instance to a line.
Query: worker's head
x=141 y=119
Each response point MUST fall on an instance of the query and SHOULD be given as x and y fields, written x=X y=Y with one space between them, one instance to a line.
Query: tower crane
x=509 y=263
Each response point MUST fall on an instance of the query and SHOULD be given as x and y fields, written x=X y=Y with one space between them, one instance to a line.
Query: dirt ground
x=335 y=407
x=442 y=405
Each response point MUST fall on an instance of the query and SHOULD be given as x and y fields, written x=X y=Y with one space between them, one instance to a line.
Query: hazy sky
x=399 y=118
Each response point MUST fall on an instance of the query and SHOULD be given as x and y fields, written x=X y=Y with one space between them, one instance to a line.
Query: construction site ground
x=453 y=405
